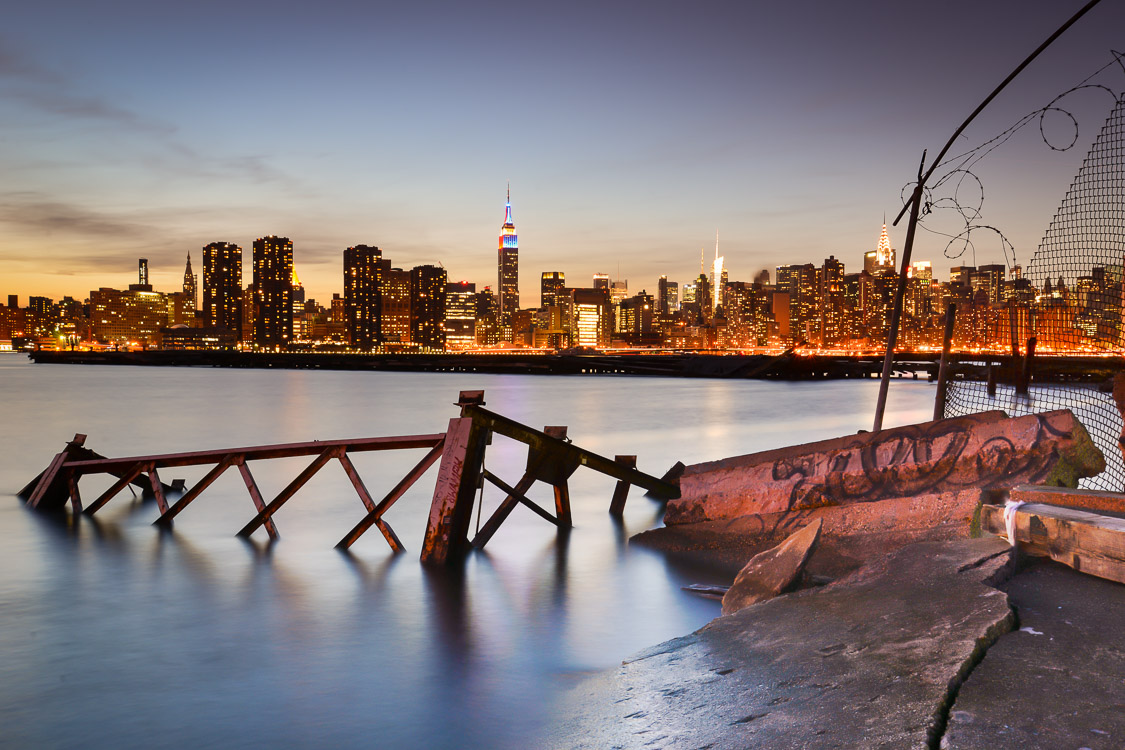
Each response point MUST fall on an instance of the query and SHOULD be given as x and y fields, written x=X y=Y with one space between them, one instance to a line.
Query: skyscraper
x=363 y=286
x=222 y=286
x=884 y=253
x=190 y=284
x=551 y=287
x=273 y=291
x=427 y=307
x=460 y=315
x=508 y=270
x=718 y=277
x=395 y=304
x=667 y=296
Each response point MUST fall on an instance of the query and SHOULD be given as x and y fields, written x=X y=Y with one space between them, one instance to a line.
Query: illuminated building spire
x=717 y=274
x=884 y=255
x=508 y=271
x=190 y=284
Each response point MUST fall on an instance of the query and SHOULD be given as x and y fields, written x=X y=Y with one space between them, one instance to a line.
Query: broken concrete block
x=851 y=534
x=773 y=571
x=986 y=450
x=1094 y=500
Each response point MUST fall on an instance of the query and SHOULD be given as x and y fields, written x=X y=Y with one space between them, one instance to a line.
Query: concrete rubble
x=772 y=572
x=915 y=643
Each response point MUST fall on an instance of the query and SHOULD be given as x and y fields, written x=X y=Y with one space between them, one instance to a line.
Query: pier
x=551 y=459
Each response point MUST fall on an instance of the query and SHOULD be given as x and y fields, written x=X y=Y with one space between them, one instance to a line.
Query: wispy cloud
x=35 y=213
x=50 y=92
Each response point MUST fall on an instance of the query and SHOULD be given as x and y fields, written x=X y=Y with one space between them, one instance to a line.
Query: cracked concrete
x=1058 y=681
x=871 y=661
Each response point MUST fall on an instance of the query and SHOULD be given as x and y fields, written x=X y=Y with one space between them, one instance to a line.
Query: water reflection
x=115 y=633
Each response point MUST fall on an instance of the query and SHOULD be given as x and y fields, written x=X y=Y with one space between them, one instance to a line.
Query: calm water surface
x=113 y=634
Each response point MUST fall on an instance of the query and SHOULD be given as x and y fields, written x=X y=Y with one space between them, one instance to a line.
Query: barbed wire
x=968 y=213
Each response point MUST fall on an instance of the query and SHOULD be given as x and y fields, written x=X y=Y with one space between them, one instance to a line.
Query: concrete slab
x=983 y=451
x=866 y=662
x=1058 y=681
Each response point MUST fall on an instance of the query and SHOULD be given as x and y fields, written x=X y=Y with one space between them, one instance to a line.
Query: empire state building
x=508 y=287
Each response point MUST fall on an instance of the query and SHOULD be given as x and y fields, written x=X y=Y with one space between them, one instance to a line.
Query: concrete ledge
x=986 y=450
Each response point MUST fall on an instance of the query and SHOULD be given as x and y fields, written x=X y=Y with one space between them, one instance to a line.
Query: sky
x=630 y=132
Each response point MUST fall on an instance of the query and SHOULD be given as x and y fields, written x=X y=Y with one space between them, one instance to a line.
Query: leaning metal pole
x=900 y=294
x=915 y=202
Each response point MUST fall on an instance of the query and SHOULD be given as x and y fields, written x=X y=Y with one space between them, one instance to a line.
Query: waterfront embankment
x=788 y=366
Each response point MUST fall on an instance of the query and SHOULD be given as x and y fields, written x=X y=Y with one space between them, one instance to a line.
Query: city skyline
x=790 y=137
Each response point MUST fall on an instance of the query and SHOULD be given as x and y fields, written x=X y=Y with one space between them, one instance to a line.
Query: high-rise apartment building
x=427 y=307
x=550 y=288
x=395 y=304
x=488 y=318
x=508 y=267
x=592 y=317
x=831 y=301
x=363 y=284
x=460 y=315
x=222 y=286
x=800 y=282
x=667 y=296
x=273 y=292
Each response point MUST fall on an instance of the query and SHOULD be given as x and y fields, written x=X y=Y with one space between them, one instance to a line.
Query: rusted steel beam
x=157 y=489
x=255 y=494
x=374 y=516
x=562 y=505
x=281 y=450
x=452 y=506
x=507 y=505
x=46 y=487
x=559 y=466
x=75 y=497
x=539 y=440
x=621 y=491
x=197 y=489
x=519 y=496
x=125 y=479
x=357 y=482
x=267 y=512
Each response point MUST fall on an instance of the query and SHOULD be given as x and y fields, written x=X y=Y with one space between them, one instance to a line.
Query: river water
x=113 y=634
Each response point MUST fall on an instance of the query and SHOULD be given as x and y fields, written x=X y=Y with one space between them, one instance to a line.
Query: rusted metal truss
x=551 y=459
